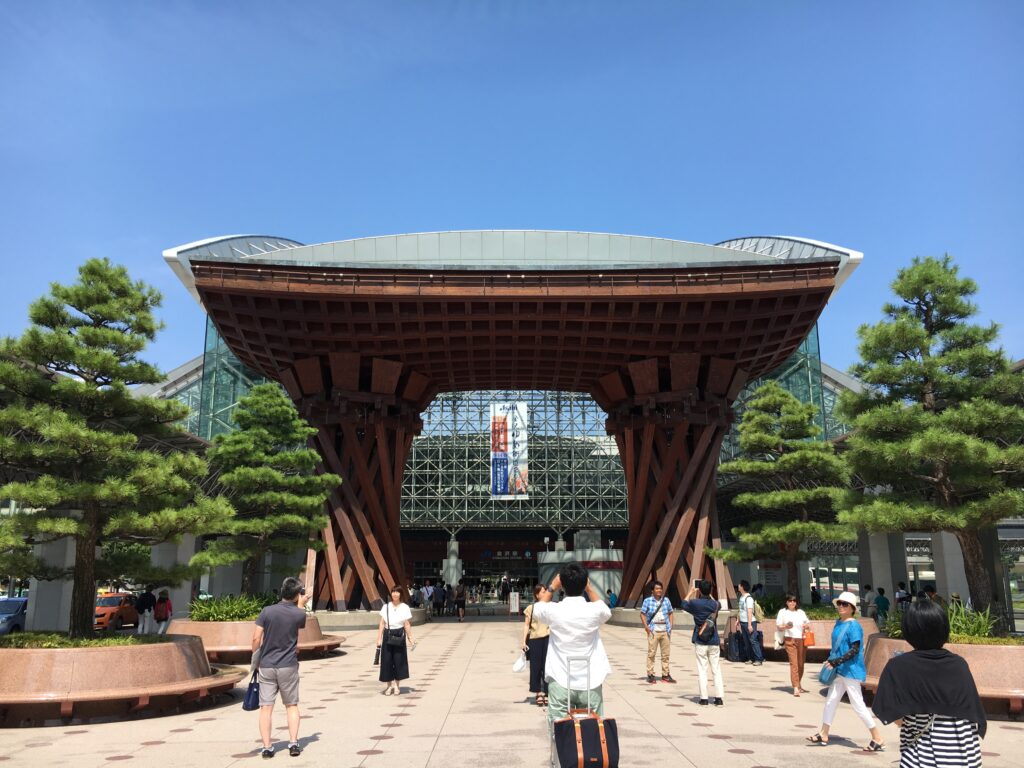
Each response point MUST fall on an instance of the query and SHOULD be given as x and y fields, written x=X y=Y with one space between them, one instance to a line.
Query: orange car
x=115 y=610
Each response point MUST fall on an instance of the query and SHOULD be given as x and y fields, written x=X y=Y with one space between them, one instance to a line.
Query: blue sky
x=892 y=128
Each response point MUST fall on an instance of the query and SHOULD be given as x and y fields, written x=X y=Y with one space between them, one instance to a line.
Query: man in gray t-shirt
x=276 y=639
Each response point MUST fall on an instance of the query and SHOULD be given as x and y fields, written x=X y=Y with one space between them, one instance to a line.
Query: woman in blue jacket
x=847 y=658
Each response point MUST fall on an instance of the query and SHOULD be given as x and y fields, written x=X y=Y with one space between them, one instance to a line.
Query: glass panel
x=225 y=380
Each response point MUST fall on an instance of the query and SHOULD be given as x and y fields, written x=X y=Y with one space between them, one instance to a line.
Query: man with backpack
x=749 y=620
x=656 y=615
x=704 y=610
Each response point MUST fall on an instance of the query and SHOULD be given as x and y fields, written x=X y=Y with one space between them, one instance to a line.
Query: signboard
x=513 y=603
x=509 y=451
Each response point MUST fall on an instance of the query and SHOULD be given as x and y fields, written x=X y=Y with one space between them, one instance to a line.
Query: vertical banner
x=508 y=451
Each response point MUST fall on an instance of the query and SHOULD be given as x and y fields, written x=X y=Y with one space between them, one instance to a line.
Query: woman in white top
x=393 y=634
x=792 y=622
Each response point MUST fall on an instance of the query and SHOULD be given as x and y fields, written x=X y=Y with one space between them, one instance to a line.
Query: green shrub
x=971 y=640
x=771 y=605
x=893 y=626
x=240 y=608
x=57 y=640
x=964 y=624
x=967 y=623
x=820 y=612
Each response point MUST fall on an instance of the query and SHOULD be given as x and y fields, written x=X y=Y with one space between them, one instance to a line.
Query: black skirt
x=394 y=663
x=538 y=656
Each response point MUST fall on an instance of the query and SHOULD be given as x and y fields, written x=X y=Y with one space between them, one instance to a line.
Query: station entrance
x=661 y=335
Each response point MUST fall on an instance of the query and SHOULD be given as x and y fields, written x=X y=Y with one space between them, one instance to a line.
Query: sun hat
x=846 y=597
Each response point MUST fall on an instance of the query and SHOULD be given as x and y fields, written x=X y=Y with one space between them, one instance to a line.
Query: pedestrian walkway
x=463 y=706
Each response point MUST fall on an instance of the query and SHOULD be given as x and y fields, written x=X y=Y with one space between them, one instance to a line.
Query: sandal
x=816 y=739
x=874 y=746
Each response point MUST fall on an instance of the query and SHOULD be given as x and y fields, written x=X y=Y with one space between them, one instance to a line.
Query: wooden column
x=366 y=413
x=669 y=417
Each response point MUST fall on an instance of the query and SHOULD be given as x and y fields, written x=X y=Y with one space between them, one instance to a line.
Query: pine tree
x=800 y=482
x=82 y=448
x=271 y=476
x=938 y=431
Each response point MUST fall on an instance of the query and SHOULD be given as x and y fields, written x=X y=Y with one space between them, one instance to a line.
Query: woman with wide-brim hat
x=847 y=659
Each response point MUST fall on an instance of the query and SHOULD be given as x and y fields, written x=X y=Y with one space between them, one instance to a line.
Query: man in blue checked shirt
x=656 y=614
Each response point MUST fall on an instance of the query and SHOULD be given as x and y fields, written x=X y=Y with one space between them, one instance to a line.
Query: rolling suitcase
x=584 y=738
x=735 y=649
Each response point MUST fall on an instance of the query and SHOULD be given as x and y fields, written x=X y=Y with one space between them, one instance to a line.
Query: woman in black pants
x=535 y=643
x=395 y=624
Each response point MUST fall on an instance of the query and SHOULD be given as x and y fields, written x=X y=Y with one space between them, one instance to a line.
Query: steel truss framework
x=574 y=469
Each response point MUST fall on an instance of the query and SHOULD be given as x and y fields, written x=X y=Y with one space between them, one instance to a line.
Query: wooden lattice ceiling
x=476 y=330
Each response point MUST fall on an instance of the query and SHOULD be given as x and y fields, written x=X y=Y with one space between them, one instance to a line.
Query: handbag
x=808 y=638
x=251 y=700
x=395 y=637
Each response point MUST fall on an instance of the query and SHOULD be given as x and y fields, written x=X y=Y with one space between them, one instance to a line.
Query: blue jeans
x=754 y=652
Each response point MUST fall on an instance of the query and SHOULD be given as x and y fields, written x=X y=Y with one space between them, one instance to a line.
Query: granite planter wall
x=998 y=670
x=41 y=685
x=230 y=642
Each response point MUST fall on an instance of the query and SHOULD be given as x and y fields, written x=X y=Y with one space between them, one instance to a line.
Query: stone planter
x=230 y=642
x=998 y=670
x=48 y=684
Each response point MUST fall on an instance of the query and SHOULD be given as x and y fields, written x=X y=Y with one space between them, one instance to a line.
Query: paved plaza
x=463 y=706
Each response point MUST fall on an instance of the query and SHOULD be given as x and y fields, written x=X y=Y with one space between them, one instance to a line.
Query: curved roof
x=792 y=248
x=507 y=249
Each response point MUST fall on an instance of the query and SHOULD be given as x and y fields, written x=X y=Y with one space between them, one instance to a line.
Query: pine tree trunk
x=249 y=575
x=792 y=577
x=83 y=593
x=978 y=580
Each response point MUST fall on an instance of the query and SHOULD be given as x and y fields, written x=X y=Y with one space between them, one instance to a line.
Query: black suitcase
x=735 y=648
x=584 y=738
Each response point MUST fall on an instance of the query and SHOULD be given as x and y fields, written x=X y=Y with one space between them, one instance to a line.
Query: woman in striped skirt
x=931 y=694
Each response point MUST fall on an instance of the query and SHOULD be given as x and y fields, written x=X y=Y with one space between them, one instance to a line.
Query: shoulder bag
x=707 y=629
x=650 y=621
x=395 y=637
x=827 y=673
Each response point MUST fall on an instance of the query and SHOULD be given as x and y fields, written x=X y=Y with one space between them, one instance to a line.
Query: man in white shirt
x=427 y=594
x=867 y=602
x=575 y=624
